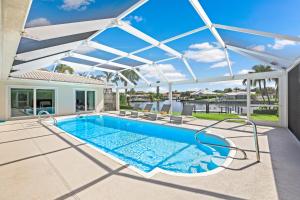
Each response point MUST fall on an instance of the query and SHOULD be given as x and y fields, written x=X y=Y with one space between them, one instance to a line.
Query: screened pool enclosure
x=208 y=48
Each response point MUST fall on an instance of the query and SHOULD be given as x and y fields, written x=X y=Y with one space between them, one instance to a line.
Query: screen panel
x=58 y=12
x=279 y=16
x=169 y=13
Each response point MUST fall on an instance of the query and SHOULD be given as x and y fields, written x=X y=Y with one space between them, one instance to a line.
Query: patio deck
x=38 y=162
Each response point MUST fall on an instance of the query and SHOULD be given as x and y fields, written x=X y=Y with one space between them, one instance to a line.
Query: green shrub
x=125 y=107
x=123 y=100
x=266 y=111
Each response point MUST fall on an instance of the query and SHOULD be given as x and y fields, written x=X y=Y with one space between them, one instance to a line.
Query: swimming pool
x=149 y=147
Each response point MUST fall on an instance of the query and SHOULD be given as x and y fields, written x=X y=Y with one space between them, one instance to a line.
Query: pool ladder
x=47 y=114
x=231 y=147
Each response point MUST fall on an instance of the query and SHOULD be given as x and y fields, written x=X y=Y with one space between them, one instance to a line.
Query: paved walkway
x=38 y=162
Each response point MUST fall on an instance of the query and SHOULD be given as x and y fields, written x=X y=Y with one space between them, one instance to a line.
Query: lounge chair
x=164 y=111
x=125 y=113
x=186 y=111
x=137 y=114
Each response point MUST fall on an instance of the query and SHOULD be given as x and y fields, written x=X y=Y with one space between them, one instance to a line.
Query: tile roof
x=60 y=77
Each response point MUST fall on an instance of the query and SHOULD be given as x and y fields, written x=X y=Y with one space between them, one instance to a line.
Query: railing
x=230 y=147
x=47 y=114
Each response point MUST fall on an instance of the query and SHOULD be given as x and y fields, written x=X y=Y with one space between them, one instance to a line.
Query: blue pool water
x=147 y=145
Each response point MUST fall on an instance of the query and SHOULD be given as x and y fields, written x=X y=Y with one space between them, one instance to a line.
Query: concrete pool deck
x=38 y=162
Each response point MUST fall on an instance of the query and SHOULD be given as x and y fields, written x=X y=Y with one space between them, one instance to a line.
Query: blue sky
x=162 y=19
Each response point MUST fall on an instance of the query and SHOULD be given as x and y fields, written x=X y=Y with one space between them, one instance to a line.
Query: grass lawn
x=176 y=113
x=264 y=117
x=222 y=116
x=214 y=116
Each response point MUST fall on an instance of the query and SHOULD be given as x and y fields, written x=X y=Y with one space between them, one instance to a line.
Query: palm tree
x=131 y=76
x=110 y=77
x=259 y=82
x=62 y=68
x=276 y=80
x=254 y=83
x=157 y=89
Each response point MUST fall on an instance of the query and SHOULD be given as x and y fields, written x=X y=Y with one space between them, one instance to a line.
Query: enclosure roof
x=59 y=77
x=160 y=41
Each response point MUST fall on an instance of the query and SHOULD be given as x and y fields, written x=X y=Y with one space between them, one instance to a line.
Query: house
x=27 y=94
x=240 y=95
x=205 y=93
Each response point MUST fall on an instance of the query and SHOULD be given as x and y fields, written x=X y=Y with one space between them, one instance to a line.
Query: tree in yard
x=131 y=91
x=260 y=82
x=276 y=80
x=110 y=77
x=62 y=68
x=226 y=90
x=236 y=89
x=131 y=76
x=157 y=90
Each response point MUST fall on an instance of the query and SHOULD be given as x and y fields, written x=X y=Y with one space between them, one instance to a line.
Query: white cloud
x=259 y=48
x=150 y=72
x=175 y=76
x=79 y=69
x=245 y=71
x=281 y=44
x=204 y=45
x=84 y=49
x=38 y=22
x=205 y=52
x=153 y=89
x=135 y=18
x=76 y=4
x=226 y=84
x=207 y=56
x=220 y=64
x=241 y=72
x=138 y=18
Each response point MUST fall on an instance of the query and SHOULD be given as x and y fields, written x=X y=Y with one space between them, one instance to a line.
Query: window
x=45 y=100
x=85 y=100
x=21 y=102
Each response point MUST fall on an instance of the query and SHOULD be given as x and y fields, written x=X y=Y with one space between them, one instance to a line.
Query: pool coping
x=157 y=170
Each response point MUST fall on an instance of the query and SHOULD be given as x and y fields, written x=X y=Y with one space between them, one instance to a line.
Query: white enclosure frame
x=42 y=33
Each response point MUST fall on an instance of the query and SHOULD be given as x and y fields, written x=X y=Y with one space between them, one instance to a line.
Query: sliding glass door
x=22 y=102
x=45 y=100
x=29 y=102
x=85 y=100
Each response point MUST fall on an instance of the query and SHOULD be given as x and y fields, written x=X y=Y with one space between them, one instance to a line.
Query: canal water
x=199 y=106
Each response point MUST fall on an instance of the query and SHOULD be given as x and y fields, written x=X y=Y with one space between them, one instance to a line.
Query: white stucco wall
x=65 y=95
